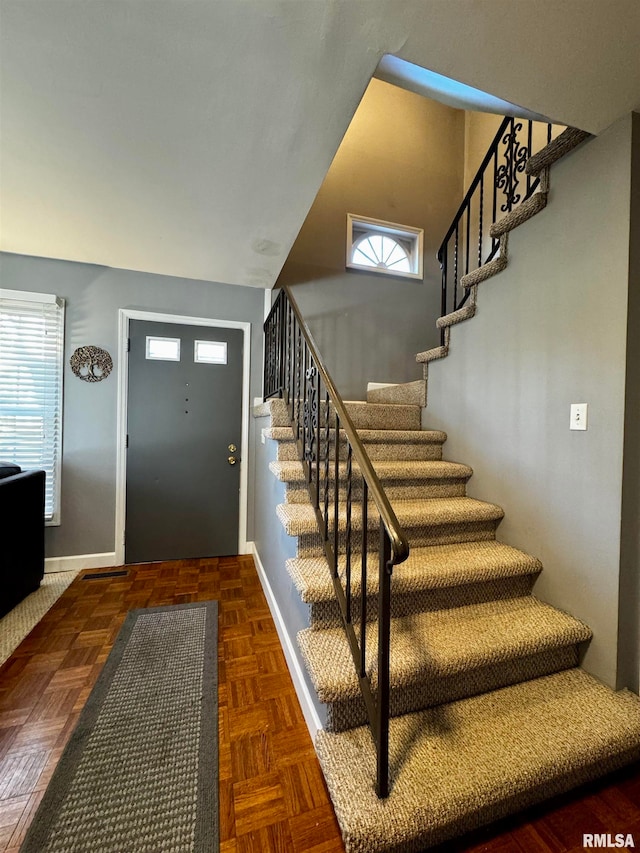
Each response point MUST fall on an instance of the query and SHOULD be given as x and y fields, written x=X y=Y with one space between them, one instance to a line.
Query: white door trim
x=125 y=315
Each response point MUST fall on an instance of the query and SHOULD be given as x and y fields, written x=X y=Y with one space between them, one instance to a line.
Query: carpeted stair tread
x=455 y=317
x=566 y=141
x=441 y=644
x=463 y=765
x=435 y=567
x=415 y=470
x=524 y=211
x=432 y=354
x=299 y=518
x=489 y=269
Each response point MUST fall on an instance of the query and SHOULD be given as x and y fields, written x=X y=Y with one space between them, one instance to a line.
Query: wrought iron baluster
x=480 y=223
x=443 y=257
x=363 y=580
x=295 y=370
x=529 y=152
x=326 y=462
x=347 y=536
x=297 y=392
x=467 y=252
x=317 y=438
x=336 y=500
x=384 y=638
x=288 y=355
x=455 y=265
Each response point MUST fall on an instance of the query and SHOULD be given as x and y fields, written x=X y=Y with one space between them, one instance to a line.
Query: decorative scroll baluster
x=327 y=415
x=317 y=439
x=502 y=170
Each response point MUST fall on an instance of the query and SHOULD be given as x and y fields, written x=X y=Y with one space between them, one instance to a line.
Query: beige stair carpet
x=489 y=712
x=459 y=766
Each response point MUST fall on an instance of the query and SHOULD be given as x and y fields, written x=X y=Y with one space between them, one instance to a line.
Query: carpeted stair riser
x=395 y=491
x=442 y=645
x=401 y=480
x=365 y=416
x=460 y=766
x=379 y=444
x=415 y=482
x=342 y=716
x=431 y=578
x=287 y=451
x=383 y=416
x=326 y=614
x=436 y=567
x=310 y=544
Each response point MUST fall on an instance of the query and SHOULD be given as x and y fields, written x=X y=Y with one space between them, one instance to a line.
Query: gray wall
x=94 y=294
x=552 y=330
x=629 y=622
x=402 y=161
x=275 y=547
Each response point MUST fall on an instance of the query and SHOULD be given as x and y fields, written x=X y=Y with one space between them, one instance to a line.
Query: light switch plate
x=578 y=416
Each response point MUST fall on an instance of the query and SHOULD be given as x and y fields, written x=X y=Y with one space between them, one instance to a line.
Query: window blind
x=31 y=367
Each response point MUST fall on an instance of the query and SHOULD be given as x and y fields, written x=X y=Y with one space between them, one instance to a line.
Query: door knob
x=232 y=460
x=232 y=448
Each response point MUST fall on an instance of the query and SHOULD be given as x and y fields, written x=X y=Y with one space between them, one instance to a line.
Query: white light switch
x=578 y=416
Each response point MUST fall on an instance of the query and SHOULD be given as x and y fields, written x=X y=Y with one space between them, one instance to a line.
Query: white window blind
x=31 y=362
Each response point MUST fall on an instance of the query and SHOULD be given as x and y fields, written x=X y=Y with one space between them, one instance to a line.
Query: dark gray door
x=183 y=415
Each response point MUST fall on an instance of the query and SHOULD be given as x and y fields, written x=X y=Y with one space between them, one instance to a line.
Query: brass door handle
x=232 y=448
x=232 y=460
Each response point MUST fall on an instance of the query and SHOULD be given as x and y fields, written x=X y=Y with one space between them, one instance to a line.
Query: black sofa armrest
x=22 y=537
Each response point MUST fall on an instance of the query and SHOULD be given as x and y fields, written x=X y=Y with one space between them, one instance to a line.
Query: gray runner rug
x=140 y=772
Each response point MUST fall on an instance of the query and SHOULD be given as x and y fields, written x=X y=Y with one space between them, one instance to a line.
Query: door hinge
x=128 y=344
x=126 y=442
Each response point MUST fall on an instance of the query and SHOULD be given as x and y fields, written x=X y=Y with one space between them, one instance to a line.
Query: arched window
x=384 y=247
x=380 y=251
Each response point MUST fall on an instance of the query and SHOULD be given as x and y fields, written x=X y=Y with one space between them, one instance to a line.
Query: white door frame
x=125 y=315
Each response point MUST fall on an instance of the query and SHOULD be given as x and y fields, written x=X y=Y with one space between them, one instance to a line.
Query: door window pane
x=163 y=349
x=210 y=352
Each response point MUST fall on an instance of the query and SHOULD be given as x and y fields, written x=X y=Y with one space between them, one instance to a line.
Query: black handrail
x=497 y=178
x=294 y=370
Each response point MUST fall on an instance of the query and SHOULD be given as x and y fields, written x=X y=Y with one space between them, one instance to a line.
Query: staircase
x=490 y=710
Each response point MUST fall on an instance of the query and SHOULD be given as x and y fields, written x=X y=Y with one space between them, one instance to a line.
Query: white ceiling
x=189 y=137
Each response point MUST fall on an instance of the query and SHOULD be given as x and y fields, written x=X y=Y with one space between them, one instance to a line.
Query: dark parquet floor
x=272 y=793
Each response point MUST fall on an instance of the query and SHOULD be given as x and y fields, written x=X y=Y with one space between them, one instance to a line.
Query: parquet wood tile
x=272 y=793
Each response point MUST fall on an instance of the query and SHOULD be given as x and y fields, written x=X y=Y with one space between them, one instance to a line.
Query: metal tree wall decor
x=91 y=363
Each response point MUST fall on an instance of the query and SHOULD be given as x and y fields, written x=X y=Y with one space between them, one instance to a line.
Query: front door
x=184 y=413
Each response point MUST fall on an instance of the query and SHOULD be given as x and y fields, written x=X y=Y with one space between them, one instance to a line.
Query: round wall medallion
x=91 y=363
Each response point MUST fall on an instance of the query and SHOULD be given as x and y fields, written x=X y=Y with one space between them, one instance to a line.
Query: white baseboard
x=304 y=696
x=80 y=561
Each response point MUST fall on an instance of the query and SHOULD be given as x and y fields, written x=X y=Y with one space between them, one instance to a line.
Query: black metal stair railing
x=498 y=186
x=330 y=450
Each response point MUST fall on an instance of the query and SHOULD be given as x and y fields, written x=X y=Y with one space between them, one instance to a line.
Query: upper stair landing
x=536 y=167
